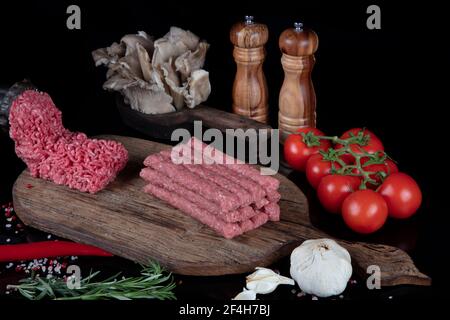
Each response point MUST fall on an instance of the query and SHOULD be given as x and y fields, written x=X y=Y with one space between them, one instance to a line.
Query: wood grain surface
x=297 y=100
x=161 y=126
x=250 y=92
x=129 y=223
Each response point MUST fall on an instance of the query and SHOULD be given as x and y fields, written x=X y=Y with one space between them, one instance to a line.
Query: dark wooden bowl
x=161 y=126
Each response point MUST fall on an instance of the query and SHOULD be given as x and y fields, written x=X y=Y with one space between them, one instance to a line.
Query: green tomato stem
x=334 y=155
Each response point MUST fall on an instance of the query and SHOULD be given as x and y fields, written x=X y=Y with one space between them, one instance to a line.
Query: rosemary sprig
x=153 y=283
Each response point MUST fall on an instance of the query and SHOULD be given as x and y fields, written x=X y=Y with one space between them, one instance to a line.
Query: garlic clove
x=246 y=295
x=265 y=281
x=262 y=286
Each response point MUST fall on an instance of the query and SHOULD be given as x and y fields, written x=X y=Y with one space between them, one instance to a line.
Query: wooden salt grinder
x=297 y=101
x=250 y=94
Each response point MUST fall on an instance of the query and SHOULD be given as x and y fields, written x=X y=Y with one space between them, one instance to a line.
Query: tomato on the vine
x=333 y=189
x=402 y=195
x=296 y=151
x=391 y=167
x=373 y=143
x=387 y=168
x=317 y=168
x=364 y=211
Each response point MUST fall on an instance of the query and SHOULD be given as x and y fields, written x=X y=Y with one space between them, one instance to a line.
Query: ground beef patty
x=54 y=153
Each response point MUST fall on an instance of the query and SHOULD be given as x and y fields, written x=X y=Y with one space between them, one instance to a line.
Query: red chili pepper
x=43 y=249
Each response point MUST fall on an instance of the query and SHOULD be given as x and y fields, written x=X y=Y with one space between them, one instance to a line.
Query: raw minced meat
x=54 y=153
x=229 y=198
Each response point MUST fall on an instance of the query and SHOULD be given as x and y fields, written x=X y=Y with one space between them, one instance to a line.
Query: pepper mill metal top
x=250 y=93
x=249 y=34
x=298 y=41
x=297 y=101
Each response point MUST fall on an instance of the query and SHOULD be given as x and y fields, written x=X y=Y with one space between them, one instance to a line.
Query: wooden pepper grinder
x=297 y=101
x=250 y=94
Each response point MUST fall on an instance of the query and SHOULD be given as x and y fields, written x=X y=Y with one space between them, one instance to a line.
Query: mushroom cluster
x=159 y=76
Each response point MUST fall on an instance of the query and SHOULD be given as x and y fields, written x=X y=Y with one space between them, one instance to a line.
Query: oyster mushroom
x=144 y=62
x=130 y=41
x=173 y=82
x=101 y=57
x=116 y=49
x=157 y=77
x=199 y=88
x=164 y=50
x=111 y=54
x=191 y=61
x=176 y=35
x=118 y=82
x=175 y=43
x=154 y=101
x=134 y=58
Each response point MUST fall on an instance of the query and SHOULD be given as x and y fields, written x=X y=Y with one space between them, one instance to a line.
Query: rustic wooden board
x=129 y=223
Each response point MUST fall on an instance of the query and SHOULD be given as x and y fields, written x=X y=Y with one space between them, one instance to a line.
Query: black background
x=392 y=81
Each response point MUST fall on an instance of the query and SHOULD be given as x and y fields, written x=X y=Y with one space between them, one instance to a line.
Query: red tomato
x=317 y=168
x=388 y=167
x=333 y=189
x=373 y=145
x=392 y=167
x=364 y=211
x=296 y=152
x=402 y=195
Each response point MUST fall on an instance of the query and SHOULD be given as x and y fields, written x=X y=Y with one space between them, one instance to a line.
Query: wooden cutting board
x=129 y=223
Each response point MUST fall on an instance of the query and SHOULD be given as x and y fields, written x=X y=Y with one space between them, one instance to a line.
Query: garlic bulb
x=265 y=281
x=321 y=267
x=246 y=295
